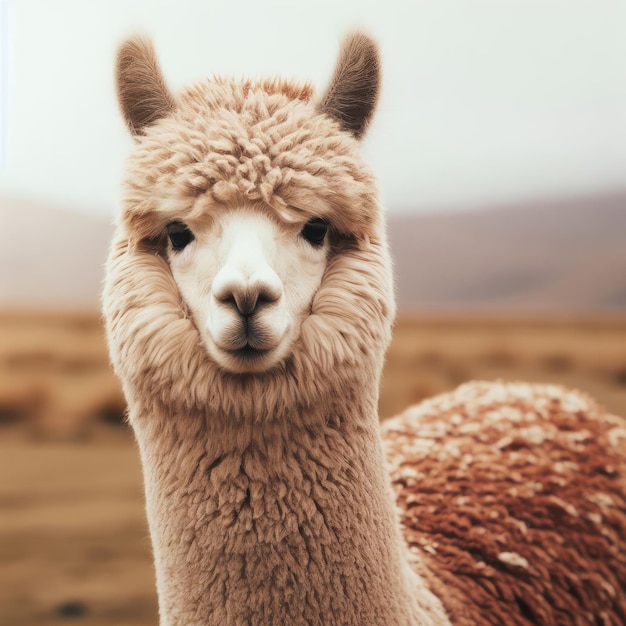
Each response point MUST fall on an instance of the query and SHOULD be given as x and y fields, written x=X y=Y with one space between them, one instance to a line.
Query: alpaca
x=248 y=304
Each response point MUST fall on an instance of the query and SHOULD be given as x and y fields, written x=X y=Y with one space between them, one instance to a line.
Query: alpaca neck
x=274 y=523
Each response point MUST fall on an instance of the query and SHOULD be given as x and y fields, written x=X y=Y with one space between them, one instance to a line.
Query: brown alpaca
x=248 y=305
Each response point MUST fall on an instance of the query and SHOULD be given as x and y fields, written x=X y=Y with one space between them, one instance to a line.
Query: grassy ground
x=432 y=355
x=73 y=541
x=74 y=547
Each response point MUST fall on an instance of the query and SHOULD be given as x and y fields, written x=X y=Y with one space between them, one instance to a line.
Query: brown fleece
x=513 y=496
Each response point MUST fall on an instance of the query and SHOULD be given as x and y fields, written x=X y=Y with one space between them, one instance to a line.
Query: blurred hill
x=548 y=257
x=565 y=256
x=51 y=258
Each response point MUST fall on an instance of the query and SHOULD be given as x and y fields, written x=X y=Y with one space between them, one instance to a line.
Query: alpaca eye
x=314 y=231
x=179 y=234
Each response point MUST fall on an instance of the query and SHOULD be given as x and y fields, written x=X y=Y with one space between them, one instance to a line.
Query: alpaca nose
x=247 y=293
x=247 y=300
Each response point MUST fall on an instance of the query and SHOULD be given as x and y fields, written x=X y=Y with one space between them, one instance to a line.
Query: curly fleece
x=266 y=494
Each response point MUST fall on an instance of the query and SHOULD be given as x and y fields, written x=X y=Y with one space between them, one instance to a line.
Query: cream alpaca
x=248 y=305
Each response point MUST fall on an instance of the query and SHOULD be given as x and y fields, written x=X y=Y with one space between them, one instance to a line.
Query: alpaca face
x=249 y=281
x=221 y=269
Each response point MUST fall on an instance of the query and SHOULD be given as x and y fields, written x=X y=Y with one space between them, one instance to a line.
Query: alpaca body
x=248 y=305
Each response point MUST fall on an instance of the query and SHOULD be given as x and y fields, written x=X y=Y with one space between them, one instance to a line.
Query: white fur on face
x=249 y=283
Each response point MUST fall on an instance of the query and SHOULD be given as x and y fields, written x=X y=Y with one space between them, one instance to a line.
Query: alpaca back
x=513 y=496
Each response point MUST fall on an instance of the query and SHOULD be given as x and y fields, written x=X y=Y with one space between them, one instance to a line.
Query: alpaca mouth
x=249 y=352
x=248 y=339
x=248 y=348
x=248 y=359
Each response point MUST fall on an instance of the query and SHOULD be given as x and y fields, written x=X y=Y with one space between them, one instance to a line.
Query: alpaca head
x=251 y=201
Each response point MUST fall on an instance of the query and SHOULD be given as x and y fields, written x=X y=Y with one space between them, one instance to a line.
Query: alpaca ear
x=353 y=91
x=141 y=90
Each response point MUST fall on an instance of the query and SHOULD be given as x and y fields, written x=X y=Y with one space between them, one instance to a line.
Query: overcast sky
x=484 y=101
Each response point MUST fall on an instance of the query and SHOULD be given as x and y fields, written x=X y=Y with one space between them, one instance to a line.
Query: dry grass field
x=432 y=355
x=73 y=542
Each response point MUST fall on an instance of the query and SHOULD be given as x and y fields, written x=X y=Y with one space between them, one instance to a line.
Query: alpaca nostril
x=267 y=295
x=228 y=299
